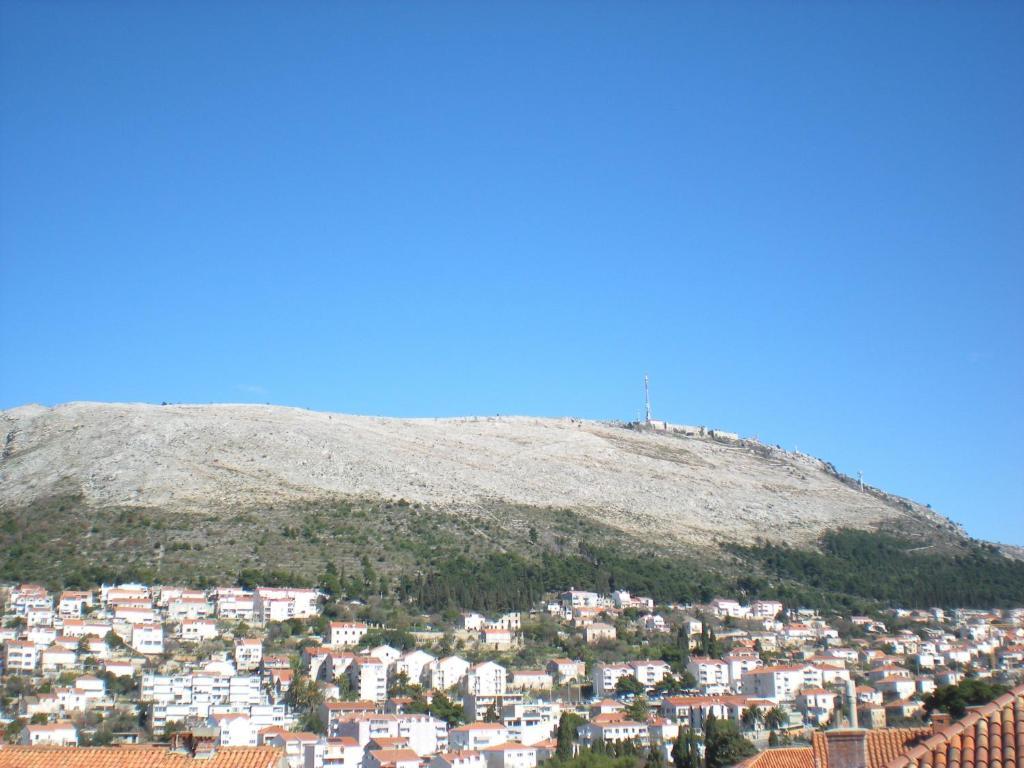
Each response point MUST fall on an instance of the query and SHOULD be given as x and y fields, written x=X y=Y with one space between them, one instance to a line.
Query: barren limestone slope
x=219 y=457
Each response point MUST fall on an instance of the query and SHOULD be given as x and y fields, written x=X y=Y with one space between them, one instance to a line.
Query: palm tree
x=752 y=718
x=776 y=718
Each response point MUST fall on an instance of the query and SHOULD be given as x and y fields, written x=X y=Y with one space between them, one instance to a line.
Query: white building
x=414 y=665
x=281 y=604
x=62 y=734
x=486 y=679
x=424 y=734
x=248 y=654
x=778 y=683
x=235 y=729
x=21 y=656
x=477 y=736
x=709 y=673
x=148 y=638
x=368 y=676
x=197 y=630
x=346 y=633
x=510 y=755
x=447 y=672
x=465 y=759
x=605 y=677
x=649 y=673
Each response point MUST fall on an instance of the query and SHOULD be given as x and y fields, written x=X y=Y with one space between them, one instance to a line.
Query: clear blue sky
x=804 y=220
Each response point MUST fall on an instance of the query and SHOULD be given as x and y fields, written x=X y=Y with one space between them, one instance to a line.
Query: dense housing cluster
x=332 y=682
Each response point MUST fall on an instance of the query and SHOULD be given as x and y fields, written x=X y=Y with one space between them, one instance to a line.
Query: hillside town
x=318 y=682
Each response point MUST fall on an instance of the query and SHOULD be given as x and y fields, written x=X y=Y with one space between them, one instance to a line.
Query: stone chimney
x=847 y=747
x=199 y=743
x=851 y=702
x=940 y=720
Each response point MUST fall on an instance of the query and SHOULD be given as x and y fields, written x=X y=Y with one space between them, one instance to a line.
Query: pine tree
x=685 y=752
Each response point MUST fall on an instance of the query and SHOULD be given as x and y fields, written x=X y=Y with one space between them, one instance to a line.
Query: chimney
x=181 y=742
x=199 y=743
x=204 y=742
x=851 y=702
x=940 y=720
x=847 y=748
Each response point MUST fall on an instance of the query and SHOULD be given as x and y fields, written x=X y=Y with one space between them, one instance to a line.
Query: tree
x=629 y=684
x=752 y=718
x=12 y=730
x=566 y=738
x=112 y=639
x=776 y=718
x=311 y=722
x=637 y=709
x=670 y=684
x=445 y=709
x=304 y=695
x=399 y=685
x=491 y=715
x=708 y=644
x=655 y=758
x=724 y=745
x=955 y=699
x=686 y=751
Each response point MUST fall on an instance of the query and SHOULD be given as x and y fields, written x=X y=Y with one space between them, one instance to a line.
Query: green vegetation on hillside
x=955 y=699
x=501 y=559
x=891 y=570
x=508 y=581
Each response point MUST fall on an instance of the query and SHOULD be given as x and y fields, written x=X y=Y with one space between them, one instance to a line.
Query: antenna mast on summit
x=647 y=398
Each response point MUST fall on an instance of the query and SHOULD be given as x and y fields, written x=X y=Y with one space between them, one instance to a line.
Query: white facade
x=248 y=654
x=477 y=736
x=510 y=756
x=414 y=665
x=486 y=679
x=447 y=672
x=369 y=678
x=148 y=638
x=709 y=673
x=346 y=633
x=605 y=676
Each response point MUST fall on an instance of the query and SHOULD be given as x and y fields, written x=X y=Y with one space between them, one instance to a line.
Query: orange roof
x=459 y=755
x=478 y=727
x=785 y=757
x=883 y=745
x=508 y=745
x=608 y=717
x=390 y=742
x=346 y=741
x=384 y=756
x=134 y=757
x=991 y=734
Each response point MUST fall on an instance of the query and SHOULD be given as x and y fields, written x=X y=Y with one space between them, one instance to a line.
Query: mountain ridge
x=201 y=458
x=488 y=513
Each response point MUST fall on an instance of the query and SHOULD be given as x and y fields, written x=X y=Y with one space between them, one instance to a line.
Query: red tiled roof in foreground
x=136 y=757
x=883 y=745
x=782 y=757
x=989 y=735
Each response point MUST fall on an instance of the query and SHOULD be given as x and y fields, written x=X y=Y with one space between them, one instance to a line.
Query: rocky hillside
x=485 y=513
x=206 y=459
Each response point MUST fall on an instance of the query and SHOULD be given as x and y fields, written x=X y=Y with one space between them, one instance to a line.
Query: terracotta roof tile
x=883 y=745
x=134 y=757
x=784 y=757
x=990 y=735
